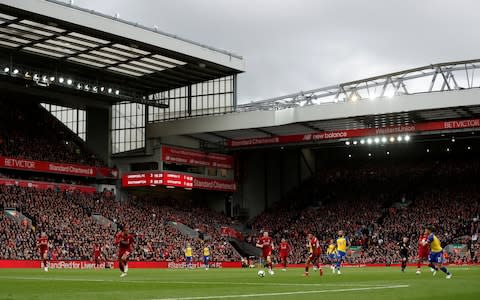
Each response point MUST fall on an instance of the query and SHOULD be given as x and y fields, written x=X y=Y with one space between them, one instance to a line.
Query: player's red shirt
x=315 y=244
x=266 y=242
x=43 y=243
x=96 y=251
x=125 y=242
x=284 y=249
x=423 y=249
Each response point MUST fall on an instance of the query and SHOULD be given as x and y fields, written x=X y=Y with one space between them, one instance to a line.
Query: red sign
x=48 y=185
x=177 y=180
x=58 y=168
x=85 y=264
x=78 y=264
x=196 y=158
x=231 y=232
x=353 y=133
x=107 y=173
x=214 y=184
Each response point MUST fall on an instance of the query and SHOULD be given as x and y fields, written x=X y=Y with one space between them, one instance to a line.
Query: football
x=261 y=273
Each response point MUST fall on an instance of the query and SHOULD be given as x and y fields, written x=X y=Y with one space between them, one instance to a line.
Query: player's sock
x=404 y=265
x=433 y=267
x=270 y=266
x=306 y=269
x=444 y=270
x=120 y=265
x=419 y=265
x=126 y=267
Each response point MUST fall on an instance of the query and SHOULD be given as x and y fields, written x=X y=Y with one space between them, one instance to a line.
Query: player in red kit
x=42 y=244
x=423 y=250
x=97 y=253
x=315 y=251
x=284 y=252
x=266 y=243
x=124 y=240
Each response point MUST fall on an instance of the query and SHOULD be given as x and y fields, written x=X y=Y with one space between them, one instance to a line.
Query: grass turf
x=354 y=283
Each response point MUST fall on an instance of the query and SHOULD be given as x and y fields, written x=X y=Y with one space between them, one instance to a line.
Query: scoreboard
x=157 y=178
x=169 y=179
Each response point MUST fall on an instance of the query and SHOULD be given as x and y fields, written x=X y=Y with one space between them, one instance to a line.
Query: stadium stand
x=382 y=205
x=28 y=131
x=67 y=219
x=445 y=194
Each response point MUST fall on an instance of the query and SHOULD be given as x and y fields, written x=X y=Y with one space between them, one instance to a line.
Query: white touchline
x=288 y=293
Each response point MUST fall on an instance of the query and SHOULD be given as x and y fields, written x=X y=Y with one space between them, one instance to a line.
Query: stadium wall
x=216 y=201
x=98 y=132
x=266 y=176
x=181 y=141
x=152 y=152
x=123 y=163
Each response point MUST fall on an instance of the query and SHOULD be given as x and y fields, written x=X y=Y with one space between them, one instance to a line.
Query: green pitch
x=354 y=284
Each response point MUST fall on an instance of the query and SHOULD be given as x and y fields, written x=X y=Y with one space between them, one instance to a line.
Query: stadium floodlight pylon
x=446 y=76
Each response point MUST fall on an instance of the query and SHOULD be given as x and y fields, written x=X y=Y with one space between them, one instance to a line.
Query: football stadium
x=131 y=169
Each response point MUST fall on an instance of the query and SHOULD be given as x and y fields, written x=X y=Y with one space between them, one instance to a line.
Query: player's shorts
x=206 y=259
x=423 y=255
x=314 y=255
x=123 y=253
x=283 y=256
x=266 y=253
x=43 y=252
x=341 y=254
x=189 y=259
x=332 y=256
x=436 y=257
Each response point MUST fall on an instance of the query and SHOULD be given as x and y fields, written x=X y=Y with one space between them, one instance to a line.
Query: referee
x=404 y=252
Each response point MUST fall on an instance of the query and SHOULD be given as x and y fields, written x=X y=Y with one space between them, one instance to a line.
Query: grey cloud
x=293 y=45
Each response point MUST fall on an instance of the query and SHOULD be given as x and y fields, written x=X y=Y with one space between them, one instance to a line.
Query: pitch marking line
x=288 y=293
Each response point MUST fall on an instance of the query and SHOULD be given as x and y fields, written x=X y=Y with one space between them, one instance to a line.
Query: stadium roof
x=442 y=91
x=51 y=34
x=361 y=116
x=360 y=122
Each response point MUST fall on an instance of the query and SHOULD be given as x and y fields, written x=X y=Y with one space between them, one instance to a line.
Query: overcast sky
x=294 y=45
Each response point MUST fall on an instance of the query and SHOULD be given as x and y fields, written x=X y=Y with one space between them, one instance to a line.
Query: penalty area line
x=288 y=293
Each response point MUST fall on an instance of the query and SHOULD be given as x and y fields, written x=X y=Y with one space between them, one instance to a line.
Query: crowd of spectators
x=363 y=202
x=67 y=219
x=151 y=220
x=71 y=230
x=28 y=131
x=375 y=204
